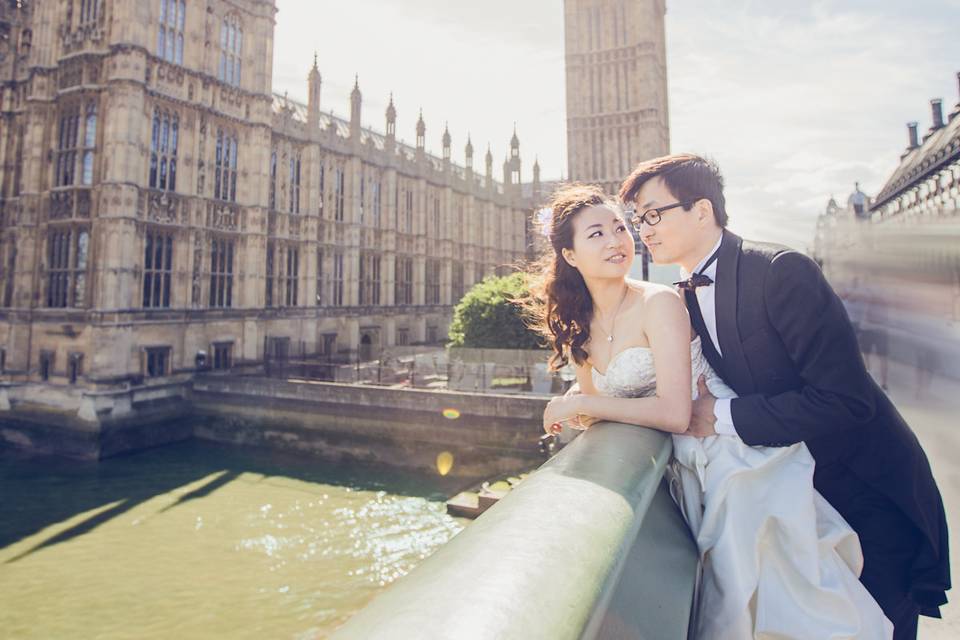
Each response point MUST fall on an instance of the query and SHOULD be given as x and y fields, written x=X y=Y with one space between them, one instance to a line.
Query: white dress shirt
x=706 y=298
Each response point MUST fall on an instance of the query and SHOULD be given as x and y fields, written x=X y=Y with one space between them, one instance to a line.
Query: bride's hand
x=564 y=410
x=702 y=419
x=584 y=422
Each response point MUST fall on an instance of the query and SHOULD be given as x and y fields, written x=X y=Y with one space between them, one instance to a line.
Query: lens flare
x=444 y=462
x=451 y=414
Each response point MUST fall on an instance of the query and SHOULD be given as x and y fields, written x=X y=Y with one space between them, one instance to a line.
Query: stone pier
x=407 y=428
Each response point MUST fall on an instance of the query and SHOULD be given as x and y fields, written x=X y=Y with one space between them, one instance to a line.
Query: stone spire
x=313 y=96
x=446 y=142
x=468 y=152
x=391 y=119
x=421 y=132
x=355 y=102
x=536 y=180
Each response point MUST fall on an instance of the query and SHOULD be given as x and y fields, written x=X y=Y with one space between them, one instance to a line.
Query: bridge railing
x=588 y=546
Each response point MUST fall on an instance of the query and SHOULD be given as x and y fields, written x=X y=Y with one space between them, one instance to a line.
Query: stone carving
x=83 y=203
x=61 y=205
x=230 y=96
x=201 y=150
x=170 y=73
x=71 y=74
x=163 y=207
x=195 y=285
x=223 y=216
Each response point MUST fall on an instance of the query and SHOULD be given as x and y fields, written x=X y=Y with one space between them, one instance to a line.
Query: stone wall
x=487 y=434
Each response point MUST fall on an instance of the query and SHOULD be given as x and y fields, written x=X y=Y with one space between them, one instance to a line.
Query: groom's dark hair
x=689 y=177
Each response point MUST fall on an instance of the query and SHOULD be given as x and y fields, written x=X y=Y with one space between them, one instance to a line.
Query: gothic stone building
x=159 y=201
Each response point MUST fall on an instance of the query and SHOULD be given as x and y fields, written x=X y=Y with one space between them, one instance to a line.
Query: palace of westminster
x=162 y=207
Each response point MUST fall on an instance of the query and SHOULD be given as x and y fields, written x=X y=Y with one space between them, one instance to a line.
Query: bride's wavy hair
x=558 y=305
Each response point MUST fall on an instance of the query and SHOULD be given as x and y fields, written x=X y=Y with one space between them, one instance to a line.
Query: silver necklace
x=613 y=325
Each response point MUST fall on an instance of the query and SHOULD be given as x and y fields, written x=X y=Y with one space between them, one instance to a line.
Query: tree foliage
x=486 y=317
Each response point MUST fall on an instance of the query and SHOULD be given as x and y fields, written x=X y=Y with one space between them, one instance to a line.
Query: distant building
x=616 y=71
x=903 y=245
x=927 y=181
x=839 y=228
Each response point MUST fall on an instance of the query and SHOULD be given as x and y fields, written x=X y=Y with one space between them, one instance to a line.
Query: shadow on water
x=39 y=491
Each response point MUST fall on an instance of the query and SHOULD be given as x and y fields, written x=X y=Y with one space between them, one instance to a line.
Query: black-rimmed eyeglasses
x=652 y=216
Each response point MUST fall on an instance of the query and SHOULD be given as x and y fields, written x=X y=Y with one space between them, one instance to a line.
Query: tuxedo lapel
x=706 y=344
x=735 y=369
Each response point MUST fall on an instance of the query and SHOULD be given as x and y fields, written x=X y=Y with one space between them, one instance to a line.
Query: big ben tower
x=616 y=87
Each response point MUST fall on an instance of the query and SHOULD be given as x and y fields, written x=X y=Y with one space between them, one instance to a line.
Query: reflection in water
x=199 y=541
x=444 y=462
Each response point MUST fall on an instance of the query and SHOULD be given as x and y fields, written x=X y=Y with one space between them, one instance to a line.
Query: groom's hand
x=702 y=419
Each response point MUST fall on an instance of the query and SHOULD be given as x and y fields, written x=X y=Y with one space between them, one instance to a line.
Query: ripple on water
x=187 y=541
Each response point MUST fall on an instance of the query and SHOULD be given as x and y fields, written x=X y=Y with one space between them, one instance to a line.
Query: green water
x=197 y=540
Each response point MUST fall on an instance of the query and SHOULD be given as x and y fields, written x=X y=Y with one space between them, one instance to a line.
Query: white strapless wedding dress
x=778 y=560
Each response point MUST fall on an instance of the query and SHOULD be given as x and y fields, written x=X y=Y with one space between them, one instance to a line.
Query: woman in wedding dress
x=778 y=561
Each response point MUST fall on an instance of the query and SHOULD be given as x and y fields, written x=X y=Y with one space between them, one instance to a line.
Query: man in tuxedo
x=778 y=335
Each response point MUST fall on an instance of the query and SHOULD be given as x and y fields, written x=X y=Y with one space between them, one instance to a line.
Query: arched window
x=170 y=32
x=67 y=145
x=163 y=150
x=157 y=268
x=338 y=212
x=273 y=181
x=377 y=202
x=295 y=182
x=408 y=213
x=231 y=47
x=67 y=252
x=88 y=11
x=291 y=279
x=76 y=138
x=89 y=142
x=337 y=279
x=221 y=272
x=225 y=179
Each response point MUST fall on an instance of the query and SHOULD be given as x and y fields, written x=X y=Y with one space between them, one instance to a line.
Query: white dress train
x=778 y=560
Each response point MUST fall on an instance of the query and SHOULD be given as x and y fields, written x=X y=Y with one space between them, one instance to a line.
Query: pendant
x=609 y=338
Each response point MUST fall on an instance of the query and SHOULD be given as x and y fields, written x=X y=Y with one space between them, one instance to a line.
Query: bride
x=778 y=561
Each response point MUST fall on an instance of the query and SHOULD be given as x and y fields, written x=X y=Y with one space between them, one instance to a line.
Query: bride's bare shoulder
x=653 y=292
x=652 y=301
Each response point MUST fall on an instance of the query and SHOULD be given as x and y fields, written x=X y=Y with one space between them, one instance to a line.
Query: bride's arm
x=560 y=409
x=667 y=327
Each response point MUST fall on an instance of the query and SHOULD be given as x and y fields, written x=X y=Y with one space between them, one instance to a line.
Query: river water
x=198 y=540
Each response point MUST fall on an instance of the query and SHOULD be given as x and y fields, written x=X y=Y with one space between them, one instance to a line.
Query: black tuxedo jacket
x=791 y=355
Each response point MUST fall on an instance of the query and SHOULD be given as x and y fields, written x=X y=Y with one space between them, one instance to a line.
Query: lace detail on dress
x=631 y=373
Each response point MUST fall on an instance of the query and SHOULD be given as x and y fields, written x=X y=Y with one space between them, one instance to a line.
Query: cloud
x=480 y=67
x=796 y=101
x=803 y=100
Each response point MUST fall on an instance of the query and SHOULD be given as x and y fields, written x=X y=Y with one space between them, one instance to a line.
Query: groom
x=777 y=334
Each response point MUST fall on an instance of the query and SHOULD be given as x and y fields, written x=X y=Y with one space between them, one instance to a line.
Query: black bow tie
x=699 y=279
x=694 y=281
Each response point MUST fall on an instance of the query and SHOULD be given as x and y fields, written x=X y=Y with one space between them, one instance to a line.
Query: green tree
x=486 y=317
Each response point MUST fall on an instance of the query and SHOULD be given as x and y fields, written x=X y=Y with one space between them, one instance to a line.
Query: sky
x=795 y=101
